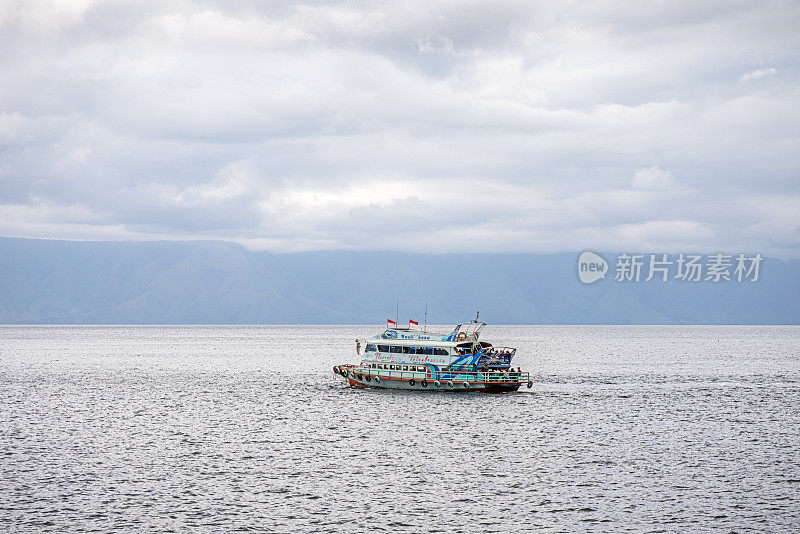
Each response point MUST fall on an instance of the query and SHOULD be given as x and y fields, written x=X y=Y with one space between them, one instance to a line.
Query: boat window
x=405 y=368
x=370 y=347
x=395 y=349
x=425 y=350
x=383 y=348
x=440 y=352
x=421 y=368
x=405 y=350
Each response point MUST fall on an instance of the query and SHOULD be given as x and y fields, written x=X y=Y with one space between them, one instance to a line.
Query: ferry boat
x=420 y=359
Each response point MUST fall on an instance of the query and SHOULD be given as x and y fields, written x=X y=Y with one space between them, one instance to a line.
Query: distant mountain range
x=212 y=282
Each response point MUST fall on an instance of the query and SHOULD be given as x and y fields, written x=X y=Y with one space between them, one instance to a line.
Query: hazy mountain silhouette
x=212 y=282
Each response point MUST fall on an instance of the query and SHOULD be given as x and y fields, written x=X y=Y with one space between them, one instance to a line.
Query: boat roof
x=470 y=331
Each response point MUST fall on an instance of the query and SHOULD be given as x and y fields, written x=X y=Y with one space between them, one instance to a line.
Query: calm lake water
x=234 y=428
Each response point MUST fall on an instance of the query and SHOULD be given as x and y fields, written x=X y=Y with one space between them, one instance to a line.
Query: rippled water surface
x=226 y=428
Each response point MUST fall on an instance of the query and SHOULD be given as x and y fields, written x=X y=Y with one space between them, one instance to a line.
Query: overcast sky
x=421 y=126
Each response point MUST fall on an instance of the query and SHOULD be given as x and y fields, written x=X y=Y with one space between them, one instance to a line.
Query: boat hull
x=453 y=382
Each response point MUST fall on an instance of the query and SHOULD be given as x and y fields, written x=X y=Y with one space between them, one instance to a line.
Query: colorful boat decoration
x=420 y=359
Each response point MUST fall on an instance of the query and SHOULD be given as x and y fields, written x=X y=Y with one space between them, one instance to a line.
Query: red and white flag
x=411 y=321
x=390 y=321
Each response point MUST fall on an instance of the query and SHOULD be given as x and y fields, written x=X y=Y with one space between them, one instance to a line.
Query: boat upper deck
x=411 y=342
x=463 y=332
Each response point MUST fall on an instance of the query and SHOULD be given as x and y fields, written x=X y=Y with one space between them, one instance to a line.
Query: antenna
x=397 y=311
x=425 y=328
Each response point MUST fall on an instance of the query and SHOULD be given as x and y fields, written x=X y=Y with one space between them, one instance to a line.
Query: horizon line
x=245 y=325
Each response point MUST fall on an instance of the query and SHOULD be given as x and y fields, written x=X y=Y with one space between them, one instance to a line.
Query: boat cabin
x=460 y=348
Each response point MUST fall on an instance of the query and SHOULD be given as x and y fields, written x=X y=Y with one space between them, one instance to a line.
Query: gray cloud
x=434 y=126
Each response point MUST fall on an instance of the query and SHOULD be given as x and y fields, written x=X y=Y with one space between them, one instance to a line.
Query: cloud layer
x=424 y=126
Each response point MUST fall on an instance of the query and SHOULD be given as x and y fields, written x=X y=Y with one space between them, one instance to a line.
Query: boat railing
x=455 y=375
x=468 y=331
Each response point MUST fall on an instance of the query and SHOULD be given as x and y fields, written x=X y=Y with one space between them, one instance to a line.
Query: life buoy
x=449 y=383
x=461 y=336
x=377 y=379
x=360 y=377
x=336 y=369
x=466 y=384
x=367 y=378
x=437 y=384
x=411 y=382
x=530 y=384
x=424 y=383
x=344 y=372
